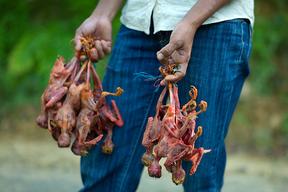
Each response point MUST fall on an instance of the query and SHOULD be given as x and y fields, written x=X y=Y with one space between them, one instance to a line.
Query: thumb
x=164 y=54
x=180 y=73
x=77 y=43
x=172 y=78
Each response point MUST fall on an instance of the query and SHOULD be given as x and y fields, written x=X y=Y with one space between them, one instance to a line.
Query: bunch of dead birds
x=73 y=106
x=171 y=132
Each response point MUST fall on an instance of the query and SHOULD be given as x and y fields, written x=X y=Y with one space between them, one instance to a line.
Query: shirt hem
x=171 y=28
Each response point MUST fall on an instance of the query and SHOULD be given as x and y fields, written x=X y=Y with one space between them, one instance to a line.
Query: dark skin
x=99 y=25
x=177 y=51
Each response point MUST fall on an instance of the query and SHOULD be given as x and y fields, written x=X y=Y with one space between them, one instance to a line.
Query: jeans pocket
x=241 y=46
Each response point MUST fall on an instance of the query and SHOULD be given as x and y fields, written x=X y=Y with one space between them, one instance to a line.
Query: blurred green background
x=34 y=32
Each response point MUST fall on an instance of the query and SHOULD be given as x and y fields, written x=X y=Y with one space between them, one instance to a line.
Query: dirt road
x=28 y=165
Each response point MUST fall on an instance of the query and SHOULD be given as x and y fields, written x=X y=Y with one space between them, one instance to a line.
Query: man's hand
x=99 y=26
x=178 y=50
x=101 y=29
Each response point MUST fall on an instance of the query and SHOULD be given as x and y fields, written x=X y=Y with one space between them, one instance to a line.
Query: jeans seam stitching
x=242 y=43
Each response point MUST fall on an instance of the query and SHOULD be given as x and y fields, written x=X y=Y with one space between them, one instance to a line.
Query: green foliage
x=269 y=62
x=38 y=51
x=33 y=36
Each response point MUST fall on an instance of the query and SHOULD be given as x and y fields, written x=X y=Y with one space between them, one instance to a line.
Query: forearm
x=107 y=8
x=202 y=10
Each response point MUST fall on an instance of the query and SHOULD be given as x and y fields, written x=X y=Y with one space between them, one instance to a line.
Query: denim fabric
x=218 y=68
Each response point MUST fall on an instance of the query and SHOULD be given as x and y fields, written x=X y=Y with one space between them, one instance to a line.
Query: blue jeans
x=218 y=68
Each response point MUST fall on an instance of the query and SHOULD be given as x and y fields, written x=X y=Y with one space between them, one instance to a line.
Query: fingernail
x=163 y=83
x=78 y=46
x=160 y=56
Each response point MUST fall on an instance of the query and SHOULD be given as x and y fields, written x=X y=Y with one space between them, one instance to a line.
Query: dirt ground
x=29 y=164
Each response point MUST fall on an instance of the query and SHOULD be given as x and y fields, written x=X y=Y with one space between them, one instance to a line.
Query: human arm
x=178 y=50
x=99 y=25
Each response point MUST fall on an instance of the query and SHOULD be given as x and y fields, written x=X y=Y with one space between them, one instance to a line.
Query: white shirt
x=136 y=14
